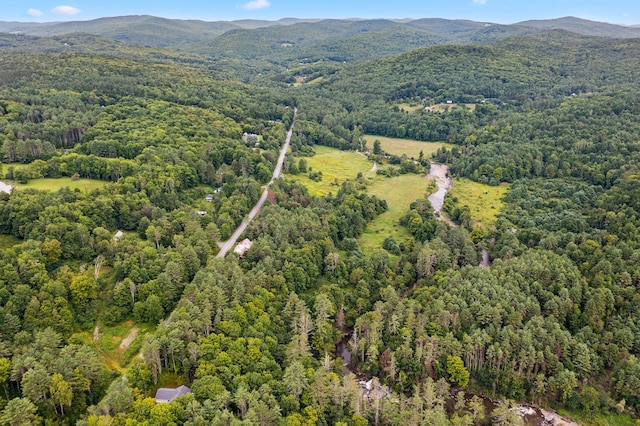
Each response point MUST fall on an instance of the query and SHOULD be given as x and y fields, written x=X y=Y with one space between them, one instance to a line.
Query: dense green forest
x=309 y=328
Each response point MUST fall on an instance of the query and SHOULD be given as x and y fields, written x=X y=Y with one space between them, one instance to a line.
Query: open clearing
x=336 y=166
x=597 y=419
x=410 y=108
x=302 y=80
x=16 y=166
x=7 y=241
x=448 y=107
x=126 y=342
x=49 y=184
x=484 y=201
x=400 y=192
x=409 y=147
x=116 y=343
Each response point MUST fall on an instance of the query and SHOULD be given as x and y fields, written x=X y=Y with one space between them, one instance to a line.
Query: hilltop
x=292 y=40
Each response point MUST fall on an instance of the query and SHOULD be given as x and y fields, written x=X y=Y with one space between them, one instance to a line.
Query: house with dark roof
x=169 y=394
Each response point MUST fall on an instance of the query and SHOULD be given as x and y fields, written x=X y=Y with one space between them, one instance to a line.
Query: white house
x=242 y=247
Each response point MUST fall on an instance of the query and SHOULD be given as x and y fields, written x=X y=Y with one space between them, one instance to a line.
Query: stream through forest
x=440 y=173
x=532 y=415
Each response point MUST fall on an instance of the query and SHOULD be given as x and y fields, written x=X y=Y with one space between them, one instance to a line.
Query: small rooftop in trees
x=169 y=394
x=242 y=247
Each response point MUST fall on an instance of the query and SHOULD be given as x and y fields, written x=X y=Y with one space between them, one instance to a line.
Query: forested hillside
x=308 y=327
x=287 y=42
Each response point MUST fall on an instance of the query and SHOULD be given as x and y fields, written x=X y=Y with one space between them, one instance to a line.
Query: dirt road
x=126 y=342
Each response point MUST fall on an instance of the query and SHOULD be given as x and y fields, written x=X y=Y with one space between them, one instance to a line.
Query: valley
x=448 y=209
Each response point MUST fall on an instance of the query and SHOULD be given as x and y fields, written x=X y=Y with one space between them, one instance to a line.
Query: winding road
x=228 y=245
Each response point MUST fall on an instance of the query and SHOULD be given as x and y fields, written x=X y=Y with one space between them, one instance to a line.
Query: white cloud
x=257 y=4
x=34 y=12
x=480 y=1
x=65 y=10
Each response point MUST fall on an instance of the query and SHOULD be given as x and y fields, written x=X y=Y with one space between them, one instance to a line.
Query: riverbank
x=371 y=388
x=439 y=173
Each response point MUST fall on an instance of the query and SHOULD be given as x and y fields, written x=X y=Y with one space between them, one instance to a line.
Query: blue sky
x=500 y=11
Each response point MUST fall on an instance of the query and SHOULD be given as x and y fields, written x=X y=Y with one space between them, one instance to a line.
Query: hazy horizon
x=619 y=12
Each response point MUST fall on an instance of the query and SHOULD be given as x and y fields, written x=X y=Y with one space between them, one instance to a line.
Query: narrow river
x=532 y=416
x=440 y=173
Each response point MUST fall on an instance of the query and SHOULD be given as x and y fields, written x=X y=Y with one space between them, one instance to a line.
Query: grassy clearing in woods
x=599 y=419
x=400 y=192
x=336 y=166
x=449 y=107
x=49 y=184
x=484 y=201
x=410 y=108
x=409 y=147
x=107 y=340
x=7 y=241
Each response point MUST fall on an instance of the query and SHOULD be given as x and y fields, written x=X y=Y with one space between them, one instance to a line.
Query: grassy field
x=599 y=419
x=55 y=184
x=410 y=108
x=109 y=340
x=484 y=201
x=405 y=146
x=336 y=166
x=302 y=80
x=7 y=241
x=4 y=168
x=400 y=192
x=447 y=107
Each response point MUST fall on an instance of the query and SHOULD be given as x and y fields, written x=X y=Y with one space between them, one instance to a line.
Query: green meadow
x=399 y=192
x=409 y=147
x=410 y=108
x=49 y=184
x=484 y=201
x=336 y=167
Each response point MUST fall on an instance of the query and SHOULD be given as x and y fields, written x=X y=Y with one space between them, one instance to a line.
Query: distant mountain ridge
x=290 y=40
x=584 y=27
x=134 y=27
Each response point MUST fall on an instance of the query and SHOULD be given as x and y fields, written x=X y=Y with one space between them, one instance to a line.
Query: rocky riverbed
x=440 y=173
